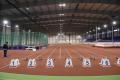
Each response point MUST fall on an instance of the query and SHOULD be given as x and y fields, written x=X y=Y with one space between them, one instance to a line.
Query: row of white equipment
x=105 y=62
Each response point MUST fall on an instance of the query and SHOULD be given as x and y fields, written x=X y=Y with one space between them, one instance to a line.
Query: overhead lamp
x=114 y=22
x=61 y=14
x=115 y=30
x=16 y=26
x=62 y=5
x=5 y=22
x=27 y=8
x=98 y=28
x=105 y=26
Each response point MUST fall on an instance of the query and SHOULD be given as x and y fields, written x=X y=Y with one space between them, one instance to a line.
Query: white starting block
x=118 y=61
x=50 y=63
x=68 y=62
x=14 y=63
x=31 y=63
x=86 y=62
x=105 y=62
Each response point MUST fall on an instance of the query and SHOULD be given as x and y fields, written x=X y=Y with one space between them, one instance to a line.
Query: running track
x=59 y=53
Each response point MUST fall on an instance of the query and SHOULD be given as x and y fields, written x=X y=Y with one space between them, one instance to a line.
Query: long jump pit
x=63 y=60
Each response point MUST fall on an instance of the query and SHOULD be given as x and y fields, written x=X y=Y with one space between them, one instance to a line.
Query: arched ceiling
x=44 y=15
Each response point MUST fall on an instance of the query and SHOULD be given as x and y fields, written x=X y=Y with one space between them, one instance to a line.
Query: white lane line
x=52 y=52
x=93 y=53
x=86 y=50
x=67 y=52
x=78 y=53
x=42 y=54
x=4 y=66
x=60 y=53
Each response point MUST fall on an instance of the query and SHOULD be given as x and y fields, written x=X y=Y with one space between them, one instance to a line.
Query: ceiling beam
x=79 y=24
x=65 y=11
x=54 y=20
x=22 y=12
x=50 y=2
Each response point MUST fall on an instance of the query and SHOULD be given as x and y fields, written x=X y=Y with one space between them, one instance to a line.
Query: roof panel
x=44 y=8
x=88 y=12
x=96 y=6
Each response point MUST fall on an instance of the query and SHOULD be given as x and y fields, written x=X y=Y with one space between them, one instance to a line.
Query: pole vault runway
x=59 y=53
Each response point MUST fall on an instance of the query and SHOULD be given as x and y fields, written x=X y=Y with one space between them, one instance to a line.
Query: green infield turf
x=10 y=76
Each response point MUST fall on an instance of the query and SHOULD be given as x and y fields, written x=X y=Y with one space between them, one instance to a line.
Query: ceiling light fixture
x=105 y=26
x=98 y=28
x=16 y=26
x=5 y=22
x=27 y=8
x=114 y=22
x=62 y=5
x=61 y=14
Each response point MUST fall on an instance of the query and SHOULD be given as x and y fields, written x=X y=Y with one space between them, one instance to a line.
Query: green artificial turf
x=9 y=76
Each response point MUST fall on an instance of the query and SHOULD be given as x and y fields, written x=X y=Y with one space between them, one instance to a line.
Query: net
x=23 y=38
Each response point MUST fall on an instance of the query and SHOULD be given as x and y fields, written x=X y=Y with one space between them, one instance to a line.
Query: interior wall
x=71 y=37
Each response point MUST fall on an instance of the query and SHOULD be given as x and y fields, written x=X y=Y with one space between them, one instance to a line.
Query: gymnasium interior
x=60 y=39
